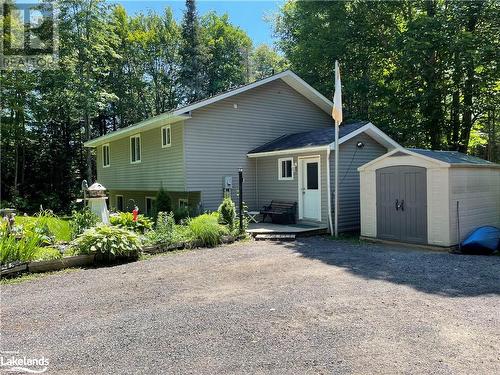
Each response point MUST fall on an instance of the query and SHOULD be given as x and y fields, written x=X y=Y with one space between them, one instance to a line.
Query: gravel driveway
x=311 y=306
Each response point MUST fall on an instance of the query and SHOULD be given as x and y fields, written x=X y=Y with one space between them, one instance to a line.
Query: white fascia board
x=288 y=152
x=374 y=133
x=151 y=123
x=364 y=166
x=405 y=151
x=302 y=87
x=289 y=77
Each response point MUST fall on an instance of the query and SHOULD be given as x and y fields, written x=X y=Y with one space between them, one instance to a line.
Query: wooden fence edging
x=59 y=264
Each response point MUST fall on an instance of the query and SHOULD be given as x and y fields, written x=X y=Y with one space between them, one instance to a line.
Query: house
x=428 y=197
x=279 y=130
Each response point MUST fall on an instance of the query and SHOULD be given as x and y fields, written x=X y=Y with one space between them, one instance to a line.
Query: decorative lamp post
x=97 y=201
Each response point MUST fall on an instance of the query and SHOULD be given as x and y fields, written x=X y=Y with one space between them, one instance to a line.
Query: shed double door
x=402 y=204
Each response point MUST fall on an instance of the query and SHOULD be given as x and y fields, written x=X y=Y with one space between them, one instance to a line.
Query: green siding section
x=158 y=167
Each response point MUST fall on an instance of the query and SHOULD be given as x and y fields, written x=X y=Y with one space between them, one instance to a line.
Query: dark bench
x=281 y=212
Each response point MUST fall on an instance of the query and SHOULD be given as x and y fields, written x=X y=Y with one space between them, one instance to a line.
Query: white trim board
x=370 y=129
x=373 y=132
x=150 y=123
x=289 y=151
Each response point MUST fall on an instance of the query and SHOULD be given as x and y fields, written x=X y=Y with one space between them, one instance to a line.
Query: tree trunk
x=87 y=149
x=455 y=105
x=474 y=11
x=468 y=99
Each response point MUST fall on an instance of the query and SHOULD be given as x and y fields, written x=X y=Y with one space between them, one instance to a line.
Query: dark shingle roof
x=452 y=157
x=319 y=137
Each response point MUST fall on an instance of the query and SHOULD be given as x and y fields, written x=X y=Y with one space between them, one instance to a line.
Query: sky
x=248 y=15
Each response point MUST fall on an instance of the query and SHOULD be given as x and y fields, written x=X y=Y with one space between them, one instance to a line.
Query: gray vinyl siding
x=269 y=187
x=350 y=159
x=218 y=137
x=158 y=166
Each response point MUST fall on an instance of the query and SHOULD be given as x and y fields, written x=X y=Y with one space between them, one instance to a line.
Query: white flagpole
x=337 y=116
x=336 y=179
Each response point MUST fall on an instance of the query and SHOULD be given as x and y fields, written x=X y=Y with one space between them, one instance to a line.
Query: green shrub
x=107 y=239
x=13 y=249
x=182 y=233
x=126 y=220
x=181 y=214
x=163 y=233
x=227 y=213
x=163 y=202
x=47 y=253
x=206 y=229
x=81 y=221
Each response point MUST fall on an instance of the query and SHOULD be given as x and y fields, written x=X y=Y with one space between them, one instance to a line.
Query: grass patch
x=34 y=276
x=59 y=227
x=348 y=236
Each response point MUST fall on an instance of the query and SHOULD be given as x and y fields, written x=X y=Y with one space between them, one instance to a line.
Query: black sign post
x=240 y=185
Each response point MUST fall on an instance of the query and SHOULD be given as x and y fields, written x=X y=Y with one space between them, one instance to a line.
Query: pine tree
x=191 y=74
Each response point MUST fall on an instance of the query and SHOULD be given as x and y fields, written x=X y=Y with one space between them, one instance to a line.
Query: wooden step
x=275 y=237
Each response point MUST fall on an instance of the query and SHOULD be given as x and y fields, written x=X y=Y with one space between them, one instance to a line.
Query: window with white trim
x=135 y=148
x=285 y=169
x=105 y=155
x=150 y=204
x=183 y=203
x=166 y=136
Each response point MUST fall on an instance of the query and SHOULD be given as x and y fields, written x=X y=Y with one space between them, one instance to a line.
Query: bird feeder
x=97 y=201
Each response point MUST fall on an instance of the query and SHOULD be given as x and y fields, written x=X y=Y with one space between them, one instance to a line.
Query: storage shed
x=414 y=196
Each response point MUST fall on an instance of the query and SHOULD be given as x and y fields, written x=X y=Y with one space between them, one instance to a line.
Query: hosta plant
x=108 y=239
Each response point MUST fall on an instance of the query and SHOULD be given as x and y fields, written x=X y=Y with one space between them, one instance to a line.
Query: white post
x=336 y=179
x=329 y=194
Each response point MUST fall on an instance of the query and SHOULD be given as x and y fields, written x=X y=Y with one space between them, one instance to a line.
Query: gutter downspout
x=329 y=193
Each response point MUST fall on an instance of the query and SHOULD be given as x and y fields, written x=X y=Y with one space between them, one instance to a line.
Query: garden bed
x=45 y=242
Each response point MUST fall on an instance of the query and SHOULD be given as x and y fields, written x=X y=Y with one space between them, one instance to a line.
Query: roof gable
x=323 y=138
x=451 y=157
x=443 y=159
x=182 y=113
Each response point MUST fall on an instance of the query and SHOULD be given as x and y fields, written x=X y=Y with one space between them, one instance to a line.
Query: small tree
x=227 y=213
x=163 y=201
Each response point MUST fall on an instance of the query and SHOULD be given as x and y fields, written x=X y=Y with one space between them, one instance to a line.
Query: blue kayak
x=483 y=240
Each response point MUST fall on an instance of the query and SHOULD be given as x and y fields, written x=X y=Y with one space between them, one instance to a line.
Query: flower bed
x=38 y=244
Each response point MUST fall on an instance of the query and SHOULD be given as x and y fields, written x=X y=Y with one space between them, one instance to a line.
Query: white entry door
x=309 y=189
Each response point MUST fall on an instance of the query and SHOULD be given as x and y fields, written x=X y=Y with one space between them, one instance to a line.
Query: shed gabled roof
x=322 y=138
x=444 y=159
x=182 y=113
x=451 y=157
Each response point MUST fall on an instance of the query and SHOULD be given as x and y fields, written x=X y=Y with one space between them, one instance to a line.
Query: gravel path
x=312 y=306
